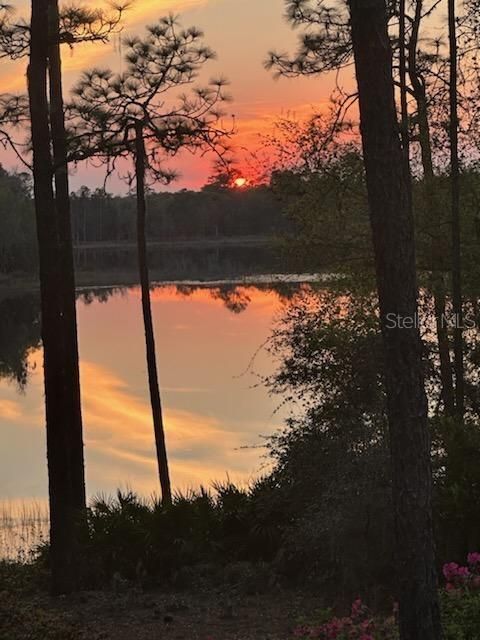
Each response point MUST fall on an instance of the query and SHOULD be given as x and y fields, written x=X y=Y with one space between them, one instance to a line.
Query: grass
x=23 y=527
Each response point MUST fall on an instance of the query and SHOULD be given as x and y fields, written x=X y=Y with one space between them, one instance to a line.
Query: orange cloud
x=86 y=55
x=10 y=410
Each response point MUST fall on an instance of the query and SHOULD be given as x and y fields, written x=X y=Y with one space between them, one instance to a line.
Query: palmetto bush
x=136 y=538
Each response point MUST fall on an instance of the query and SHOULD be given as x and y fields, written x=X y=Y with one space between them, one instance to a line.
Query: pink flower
x=452 y=571
x=463 y=572
x=473 y=559
x=357 y=608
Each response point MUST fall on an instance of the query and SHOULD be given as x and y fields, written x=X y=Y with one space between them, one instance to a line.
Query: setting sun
x=240 y=183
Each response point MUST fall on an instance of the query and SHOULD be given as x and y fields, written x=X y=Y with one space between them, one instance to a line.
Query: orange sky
x=241 y=32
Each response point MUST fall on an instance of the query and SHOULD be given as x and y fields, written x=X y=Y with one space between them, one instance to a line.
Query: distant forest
x=98 y=216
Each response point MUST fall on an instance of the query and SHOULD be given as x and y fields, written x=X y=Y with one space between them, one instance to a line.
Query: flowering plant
x=359 y=625
x=459 y=577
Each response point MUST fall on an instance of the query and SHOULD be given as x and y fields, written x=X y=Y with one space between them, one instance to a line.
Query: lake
x=211 y=355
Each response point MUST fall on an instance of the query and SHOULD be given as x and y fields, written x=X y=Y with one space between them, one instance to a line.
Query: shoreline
x=11 y=286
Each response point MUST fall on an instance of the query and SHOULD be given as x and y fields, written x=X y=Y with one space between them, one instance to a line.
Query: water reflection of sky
x=212 y=410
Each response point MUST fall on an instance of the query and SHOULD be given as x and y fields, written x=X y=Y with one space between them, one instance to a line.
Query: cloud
x=10 y=410
x=147 y=10
x=83 y=56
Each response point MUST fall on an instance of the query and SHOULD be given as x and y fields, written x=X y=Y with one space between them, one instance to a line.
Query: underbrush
x=359 y=624
x=259 y=537
x=122 y=525
x=460 y=606
x=228 y=534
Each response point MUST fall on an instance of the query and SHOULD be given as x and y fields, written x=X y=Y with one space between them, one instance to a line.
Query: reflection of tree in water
x=20 y=330
x=237 y=297
x=101 y=295
x=19 y=336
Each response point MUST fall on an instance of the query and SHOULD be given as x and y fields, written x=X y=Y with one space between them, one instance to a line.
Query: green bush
x=461 y=615
x=140 y=540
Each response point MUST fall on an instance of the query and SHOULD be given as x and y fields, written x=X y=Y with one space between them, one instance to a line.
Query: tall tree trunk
x=439 y=298
x=62 y=510
x=158 y=426
x=73 y=411
x=403 y=84
x=432 y=206
x=456 y=244
x=389 y=195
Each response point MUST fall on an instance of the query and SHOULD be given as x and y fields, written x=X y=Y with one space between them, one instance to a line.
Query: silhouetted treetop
x=325 y=43
x=107 y=107
x=77 y=24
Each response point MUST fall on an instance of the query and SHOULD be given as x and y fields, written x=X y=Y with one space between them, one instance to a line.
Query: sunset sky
x=241 y=32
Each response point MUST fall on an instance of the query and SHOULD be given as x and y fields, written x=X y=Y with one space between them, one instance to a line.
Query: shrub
x=463 y=578
x=359 y=625
x=136 y=539
x=461 y=599
x=461 y=615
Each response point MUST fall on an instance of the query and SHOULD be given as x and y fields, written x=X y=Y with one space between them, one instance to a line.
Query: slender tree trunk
x=155 y=400
x=418 y=87
x=432 y=206
x=73 y=411
x=456 y=243
x=391 y=216
x=439 y=298
x=62 y=511
x=403 y=85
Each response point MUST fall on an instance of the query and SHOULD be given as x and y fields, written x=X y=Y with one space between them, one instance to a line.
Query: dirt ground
x=213 y=616
x=156 y=616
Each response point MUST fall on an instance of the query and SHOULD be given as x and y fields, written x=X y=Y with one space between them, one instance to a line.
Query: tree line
x=99 y=216
x=17 y=234
x=209 y=213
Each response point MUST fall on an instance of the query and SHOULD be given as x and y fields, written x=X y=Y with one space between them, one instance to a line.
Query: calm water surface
x=215 y=411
